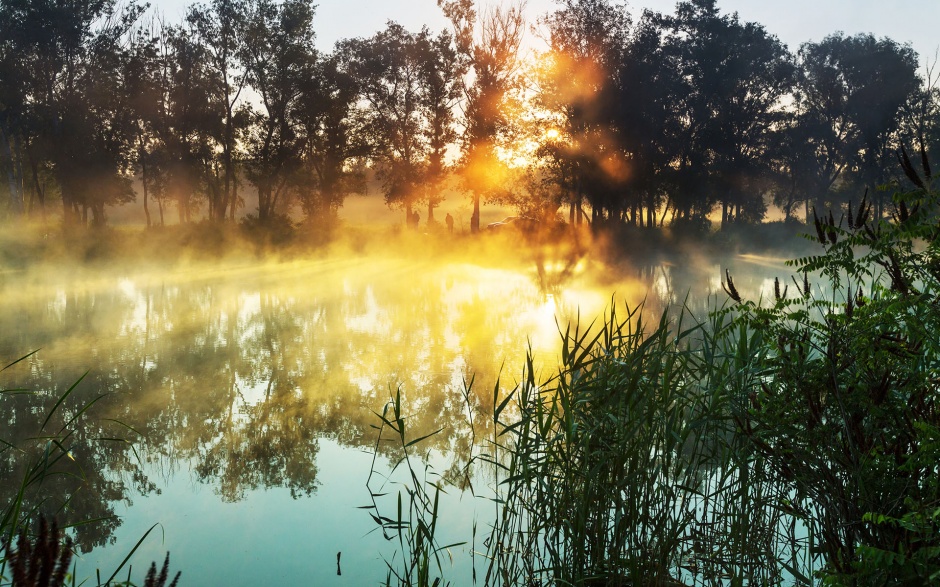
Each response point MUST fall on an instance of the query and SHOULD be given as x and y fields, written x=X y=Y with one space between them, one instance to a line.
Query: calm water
x=250 y=390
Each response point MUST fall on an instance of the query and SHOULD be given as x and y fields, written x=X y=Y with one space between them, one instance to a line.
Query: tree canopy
x=621 y=118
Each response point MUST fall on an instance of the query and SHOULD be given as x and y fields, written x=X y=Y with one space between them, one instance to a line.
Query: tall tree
x=278 y=58
x=648 y=122
x=13 y=103
x=857 y=87
x=409 y=82
x=185 y=158
x=77 y=114
x=736 y=77
x=442 y=74
x=334 y=139
x=490 y=45
x=217 y=30
x=578 y=83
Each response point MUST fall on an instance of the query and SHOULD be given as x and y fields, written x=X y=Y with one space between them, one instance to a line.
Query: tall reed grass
x=35 y=463
x=790 y=442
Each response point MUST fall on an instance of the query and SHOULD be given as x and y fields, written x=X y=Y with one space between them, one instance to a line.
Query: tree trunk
x=143 y=182
x=475 y=218
x=15 y=180
x=40 y=191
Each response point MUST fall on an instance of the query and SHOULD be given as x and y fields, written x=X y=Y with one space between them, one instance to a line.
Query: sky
x=792 y=21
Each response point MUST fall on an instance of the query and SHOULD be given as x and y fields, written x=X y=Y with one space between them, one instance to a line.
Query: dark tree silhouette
x=490 y=47
x=278 y=57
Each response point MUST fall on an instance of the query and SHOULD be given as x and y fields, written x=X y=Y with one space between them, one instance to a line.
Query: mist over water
x=250 y=384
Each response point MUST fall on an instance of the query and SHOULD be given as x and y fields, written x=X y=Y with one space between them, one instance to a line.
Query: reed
x=793 y=442
x=419 y=561
x=624 y=467
x=48 y=454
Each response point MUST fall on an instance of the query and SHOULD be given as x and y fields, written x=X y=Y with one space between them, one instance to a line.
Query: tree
x=334 y=141
x=13 y=108
x=578 y=82
x=73 y=107
x=278 y=58
x=408 y=84
x=493 y=57
x=647 y=121
x=736 y=77
x=857 y=88
x=216 y=30
x=184 y=156
x=442 y=74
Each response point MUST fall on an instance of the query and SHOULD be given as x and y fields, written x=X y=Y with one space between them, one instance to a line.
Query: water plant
x=418 y=562
x=36 y=464
x=846 y=410
x=792 y=440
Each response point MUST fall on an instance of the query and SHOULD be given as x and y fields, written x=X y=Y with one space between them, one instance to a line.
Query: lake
x=249 y=388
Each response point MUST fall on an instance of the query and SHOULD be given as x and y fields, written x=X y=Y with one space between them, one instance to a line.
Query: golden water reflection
x=237 y=372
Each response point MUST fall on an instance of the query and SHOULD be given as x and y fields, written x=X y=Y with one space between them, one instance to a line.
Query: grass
x=623 y=468
x=790 y=442
x=39 y=465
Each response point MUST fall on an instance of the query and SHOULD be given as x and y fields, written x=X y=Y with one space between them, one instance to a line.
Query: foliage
x=49 y=461
x=419 y=561
x=845 y=409
x=632 y=116
x=791 y=442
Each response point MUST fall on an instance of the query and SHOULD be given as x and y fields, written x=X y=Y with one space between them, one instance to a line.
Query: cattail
x=43 y=563
x=729 y=287
x=804 y=290
x=851 y=218
x=154 y=580
x=777 y=293
x=863 y=211
x=905 y=162
x=819 y=231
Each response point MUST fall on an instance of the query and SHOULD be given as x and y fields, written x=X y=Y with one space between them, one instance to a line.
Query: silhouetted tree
x=490 y=47
x=334 y=144
x=409 y=83
x=578 y=83
x=217 y=30
x=442 y=74
x=646 y=118
x=388 y=70
x=736 y=76
x=184 y=157
x=278 y=58
x=71 y=107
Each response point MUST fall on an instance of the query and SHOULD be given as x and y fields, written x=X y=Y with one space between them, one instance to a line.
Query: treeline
x=641 y=119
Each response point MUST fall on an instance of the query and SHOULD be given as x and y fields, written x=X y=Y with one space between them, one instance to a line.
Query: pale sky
x=793 y=21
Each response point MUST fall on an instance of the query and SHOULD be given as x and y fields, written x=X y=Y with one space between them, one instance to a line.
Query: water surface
x=249 y=389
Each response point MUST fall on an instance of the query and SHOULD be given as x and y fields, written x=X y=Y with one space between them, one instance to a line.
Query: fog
x=231 y=364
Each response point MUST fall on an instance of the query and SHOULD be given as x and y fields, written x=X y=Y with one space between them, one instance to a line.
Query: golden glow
x=552 y=134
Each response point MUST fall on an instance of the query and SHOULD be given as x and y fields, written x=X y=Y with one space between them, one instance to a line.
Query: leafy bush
x=789 y=442
x=846 y=408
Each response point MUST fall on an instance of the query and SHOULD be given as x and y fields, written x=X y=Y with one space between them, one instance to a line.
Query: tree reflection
x=239 y=373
